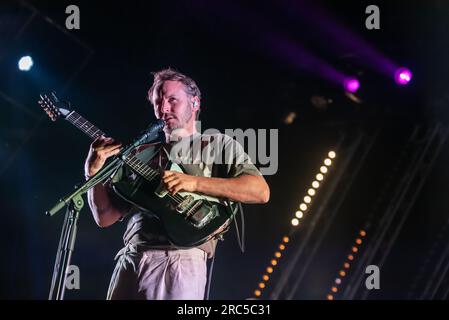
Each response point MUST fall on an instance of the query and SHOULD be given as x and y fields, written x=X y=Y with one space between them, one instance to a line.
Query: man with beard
x=149 y=266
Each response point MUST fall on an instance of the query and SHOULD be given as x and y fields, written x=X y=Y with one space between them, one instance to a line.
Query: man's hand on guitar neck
x=100 y=150
x=103 y=210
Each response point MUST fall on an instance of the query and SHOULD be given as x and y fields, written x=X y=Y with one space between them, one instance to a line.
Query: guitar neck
x=84 y=125
x=93 y=132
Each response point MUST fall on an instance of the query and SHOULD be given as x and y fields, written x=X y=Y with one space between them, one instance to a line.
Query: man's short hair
x=172 y=75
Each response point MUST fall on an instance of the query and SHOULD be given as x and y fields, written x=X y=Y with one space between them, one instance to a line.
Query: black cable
x=209 y=280
x=241 y=242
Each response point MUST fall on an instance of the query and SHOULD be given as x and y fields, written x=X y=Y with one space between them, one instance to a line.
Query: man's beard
x=178 y=125
x=187 y=116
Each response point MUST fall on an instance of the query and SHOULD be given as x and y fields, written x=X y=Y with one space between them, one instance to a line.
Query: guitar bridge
x=201 y=214
x=161 y=191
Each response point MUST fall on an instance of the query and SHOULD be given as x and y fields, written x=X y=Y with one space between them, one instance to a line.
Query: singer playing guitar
x=149 y=266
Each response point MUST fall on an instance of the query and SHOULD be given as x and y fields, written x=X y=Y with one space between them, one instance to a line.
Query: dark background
x=105 y=68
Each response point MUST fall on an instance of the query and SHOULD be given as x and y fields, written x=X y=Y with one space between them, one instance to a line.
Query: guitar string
x=87 y=127
x=133 y=161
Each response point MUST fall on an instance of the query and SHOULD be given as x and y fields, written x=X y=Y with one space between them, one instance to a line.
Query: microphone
x=151 y=132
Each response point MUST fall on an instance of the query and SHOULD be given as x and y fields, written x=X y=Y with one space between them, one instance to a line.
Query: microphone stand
x=75 y=203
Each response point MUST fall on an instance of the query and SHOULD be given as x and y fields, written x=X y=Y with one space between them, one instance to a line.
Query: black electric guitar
x=189 y=219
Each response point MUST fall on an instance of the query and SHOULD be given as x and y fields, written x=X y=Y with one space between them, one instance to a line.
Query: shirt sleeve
x=236 y=161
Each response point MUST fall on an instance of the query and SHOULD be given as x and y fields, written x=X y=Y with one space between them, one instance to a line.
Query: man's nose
x=165 y=107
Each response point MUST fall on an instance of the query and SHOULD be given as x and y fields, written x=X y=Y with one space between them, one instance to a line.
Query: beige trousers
x=158 y=274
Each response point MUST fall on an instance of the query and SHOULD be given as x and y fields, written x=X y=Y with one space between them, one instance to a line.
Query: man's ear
x=196 y=103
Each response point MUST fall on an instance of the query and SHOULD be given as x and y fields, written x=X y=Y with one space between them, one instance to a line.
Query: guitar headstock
x=54 y=107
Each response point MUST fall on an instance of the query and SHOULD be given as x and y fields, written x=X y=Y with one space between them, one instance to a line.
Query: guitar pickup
x=161 y=191
x=185 y=204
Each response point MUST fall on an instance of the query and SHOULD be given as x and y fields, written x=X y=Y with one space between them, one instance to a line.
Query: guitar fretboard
x=93 y=132
x=88 y=128
x=141 y=168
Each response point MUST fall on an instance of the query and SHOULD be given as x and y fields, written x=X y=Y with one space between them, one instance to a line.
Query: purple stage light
x=402 y=76
x=351 y=85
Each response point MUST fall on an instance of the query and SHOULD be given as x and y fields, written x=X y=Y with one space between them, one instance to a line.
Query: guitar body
x=189 y=222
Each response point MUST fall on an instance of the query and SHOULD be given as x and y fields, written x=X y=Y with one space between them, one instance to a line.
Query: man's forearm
x=104 y=213
x=245 y=188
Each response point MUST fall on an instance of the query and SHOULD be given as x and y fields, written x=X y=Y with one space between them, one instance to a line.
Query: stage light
x=274 y=262
x=351 y=85
x=311 y=192
x=347 y=263
x=331 y=154
x=265 y=277
x=328 y=162
x=261 y=285
x=299 y=214
x=270 y=270
x=281 y=247
x=307 y=199
x=286 y=239
x=25 y=63
x=402 y=76
x=303 y=207
x=330 y=297
x=290 y=118
x=277 y=254
x=319 y=177
x=257 y=293
x=316 y=184
x=323 y=169
x=295 y=222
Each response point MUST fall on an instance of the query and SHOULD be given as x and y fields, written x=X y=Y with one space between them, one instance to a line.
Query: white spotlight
x=25 y=63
